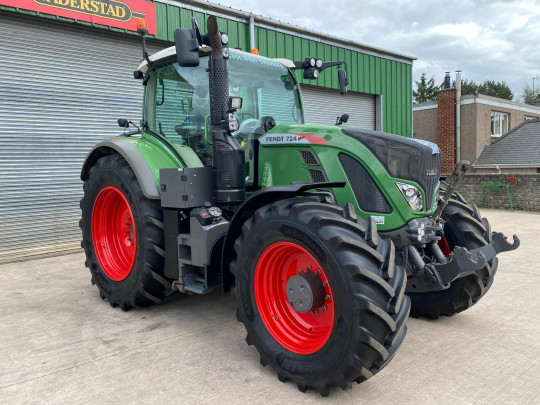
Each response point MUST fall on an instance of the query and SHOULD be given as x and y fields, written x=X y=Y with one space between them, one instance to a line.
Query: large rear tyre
x=464 y=227
x=123 y=238
x=318 y=293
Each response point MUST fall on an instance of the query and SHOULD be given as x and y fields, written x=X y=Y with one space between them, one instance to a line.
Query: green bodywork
x=282 y=164
x=158 y=156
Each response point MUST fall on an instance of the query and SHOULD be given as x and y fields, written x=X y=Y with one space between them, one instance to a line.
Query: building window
x=499 y=123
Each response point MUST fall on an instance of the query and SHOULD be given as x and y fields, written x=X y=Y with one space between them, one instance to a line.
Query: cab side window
x=182 y=108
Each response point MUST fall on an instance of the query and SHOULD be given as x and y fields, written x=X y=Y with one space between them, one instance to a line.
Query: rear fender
x=129 y=148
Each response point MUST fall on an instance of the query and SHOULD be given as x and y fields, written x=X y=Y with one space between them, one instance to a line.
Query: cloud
x=486 y=39
x=467 y=31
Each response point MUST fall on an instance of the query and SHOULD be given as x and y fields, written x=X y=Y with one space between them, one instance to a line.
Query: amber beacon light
x=142 y=27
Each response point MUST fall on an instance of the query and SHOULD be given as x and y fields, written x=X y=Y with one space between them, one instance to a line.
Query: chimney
x=447 y=80
x=446 y=126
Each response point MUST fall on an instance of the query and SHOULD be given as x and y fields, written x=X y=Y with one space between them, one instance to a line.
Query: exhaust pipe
x=229 y=156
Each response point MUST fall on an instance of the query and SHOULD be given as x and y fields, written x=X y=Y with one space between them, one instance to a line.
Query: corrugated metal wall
x=60 y=97
x=65 y=84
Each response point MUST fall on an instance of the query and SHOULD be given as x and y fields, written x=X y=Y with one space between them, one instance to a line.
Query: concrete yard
x=60 y=343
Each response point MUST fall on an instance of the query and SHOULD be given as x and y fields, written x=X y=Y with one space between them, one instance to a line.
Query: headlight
x=411 y=194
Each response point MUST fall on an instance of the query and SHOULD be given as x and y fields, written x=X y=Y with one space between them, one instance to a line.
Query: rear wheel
x=319 y=294
x=464 y=227
x=122 y=236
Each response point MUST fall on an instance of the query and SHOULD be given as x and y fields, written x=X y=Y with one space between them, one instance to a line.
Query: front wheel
x=319 y=294
x=122 y=234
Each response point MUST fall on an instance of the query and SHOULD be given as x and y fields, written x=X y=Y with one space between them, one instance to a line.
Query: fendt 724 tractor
x=328 y=235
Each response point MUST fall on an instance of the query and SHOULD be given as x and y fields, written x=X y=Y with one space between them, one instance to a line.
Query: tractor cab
x=177 y=101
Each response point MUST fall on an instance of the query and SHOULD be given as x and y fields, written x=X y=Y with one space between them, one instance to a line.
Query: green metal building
x=67 y=79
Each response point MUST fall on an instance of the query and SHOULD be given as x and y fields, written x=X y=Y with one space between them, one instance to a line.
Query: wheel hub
x=302 y=320
x=305 y=292
x=114 y=234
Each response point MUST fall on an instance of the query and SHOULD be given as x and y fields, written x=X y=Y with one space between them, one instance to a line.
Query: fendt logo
x=112 y=13
x=115 y=10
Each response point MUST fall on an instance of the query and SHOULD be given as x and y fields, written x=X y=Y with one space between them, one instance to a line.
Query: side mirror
x=187 y=47
x=123 y=123
x=343 y=81
x=342 y=119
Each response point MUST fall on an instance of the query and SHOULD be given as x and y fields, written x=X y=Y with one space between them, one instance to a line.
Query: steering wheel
x=245 y=113
x=246 y=128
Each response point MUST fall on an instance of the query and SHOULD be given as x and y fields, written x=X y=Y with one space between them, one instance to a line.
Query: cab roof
x=171 y=51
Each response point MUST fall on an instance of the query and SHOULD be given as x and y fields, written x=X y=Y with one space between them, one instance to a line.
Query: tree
x=528 y=96
x=467 y=87
x=426 y=90
x=498 y=89
x=488 y=88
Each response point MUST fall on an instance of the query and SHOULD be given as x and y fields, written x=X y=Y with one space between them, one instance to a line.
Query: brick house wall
x=469 y=133
x=425 y=124
x=483 y=129
x=475 y=115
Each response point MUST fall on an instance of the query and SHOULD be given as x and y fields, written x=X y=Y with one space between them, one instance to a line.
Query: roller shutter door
x=63 y=88
x=323 y=106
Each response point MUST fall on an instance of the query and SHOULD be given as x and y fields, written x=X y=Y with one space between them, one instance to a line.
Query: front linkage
x=437 y=274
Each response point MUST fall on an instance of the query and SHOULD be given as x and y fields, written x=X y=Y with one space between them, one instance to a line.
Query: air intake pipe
x=229 y=156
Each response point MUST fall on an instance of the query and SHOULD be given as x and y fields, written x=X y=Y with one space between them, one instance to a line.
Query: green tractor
x=328 y=236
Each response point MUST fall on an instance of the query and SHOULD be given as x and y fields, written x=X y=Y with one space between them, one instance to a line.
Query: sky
x=486 y=40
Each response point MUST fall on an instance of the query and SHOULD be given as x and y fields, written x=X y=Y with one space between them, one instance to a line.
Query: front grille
x=367 y=193
x=404 y=158
x=432 y=165
x=316 y=176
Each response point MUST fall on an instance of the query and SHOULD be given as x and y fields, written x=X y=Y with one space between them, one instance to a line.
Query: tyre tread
x=154 y=286
x=367 y=261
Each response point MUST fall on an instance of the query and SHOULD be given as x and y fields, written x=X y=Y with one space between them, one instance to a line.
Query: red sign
x=113 y=13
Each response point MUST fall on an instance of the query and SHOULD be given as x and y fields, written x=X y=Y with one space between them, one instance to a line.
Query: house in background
x=516 y=152
x=483 y=119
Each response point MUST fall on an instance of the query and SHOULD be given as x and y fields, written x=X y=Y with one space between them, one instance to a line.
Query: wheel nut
x=317 y=272
x=308 y=268
x=299 y=271
x=323 y=308
x=327 y=298
x=314 y=312
x=325 y=284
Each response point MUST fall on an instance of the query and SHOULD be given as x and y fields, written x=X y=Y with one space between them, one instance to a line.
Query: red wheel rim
x=113 y=233
x=444 y=246
x=302 y=333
